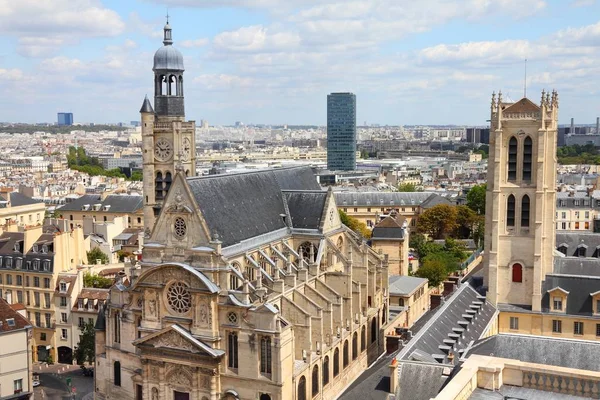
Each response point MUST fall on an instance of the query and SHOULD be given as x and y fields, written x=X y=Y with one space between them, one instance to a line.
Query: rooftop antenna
x=525 y=83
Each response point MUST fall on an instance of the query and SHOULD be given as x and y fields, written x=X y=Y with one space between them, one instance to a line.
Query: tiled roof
x=11 y=320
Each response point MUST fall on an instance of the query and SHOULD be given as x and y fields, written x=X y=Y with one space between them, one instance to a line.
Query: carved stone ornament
x=180 y=376
x=172 y=340
x=154 y=373
x=204 y=313
x=154 y=393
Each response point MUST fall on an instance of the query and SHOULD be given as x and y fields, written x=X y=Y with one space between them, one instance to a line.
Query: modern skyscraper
x=65 y=119
x=341 y=131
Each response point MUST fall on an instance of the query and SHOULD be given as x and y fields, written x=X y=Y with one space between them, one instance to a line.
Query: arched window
x=510 y=211
x=172 y=85
x=336 y=362
x=302 y=388
x=180 y=92
x=250 y=275
x=315 y=381
x=158 y=186
x=373 y=330
x=234 y=281
x=346 y=357
x=527 y=158
x=232 y=350
x=512 y=159
x=363 y=338
x=168 y=181
x=163 y=85
x=525 y=211
x=117 y=373
x=308 y=252
x=325 y=371
x=517 y=273
x=265 y=396
x=355 y=346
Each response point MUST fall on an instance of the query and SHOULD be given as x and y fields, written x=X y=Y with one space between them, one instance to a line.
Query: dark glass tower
x=341 y=131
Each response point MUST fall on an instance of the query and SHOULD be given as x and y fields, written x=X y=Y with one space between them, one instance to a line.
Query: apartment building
x=19 y=209
x=15 y=355
x=578 y=211
x=104 y=209
x=31 y=260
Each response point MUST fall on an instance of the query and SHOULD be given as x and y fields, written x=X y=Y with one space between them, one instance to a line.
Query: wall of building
x=541 y=324
x=15 y=362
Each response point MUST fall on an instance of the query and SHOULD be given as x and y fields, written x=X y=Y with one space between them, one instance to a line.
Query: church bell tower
x=520 y=199
x=168 y=141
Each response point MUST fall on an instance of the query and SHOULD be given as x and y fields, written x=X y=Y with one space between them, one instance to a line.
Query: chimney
x=572 y=131
x=597 y=125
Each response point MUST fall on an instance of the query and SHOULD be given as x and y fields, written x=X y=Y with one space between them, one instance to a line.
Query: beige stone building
x=390 y=238
x=15 y=354
x=19 y=209
x=411 y=295
x=249 y=288
x=372 y=207
x=99 y=209
x=31 y=260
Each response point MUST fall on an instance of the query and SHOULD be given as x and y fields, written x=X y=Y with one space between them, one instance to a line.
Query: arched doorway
x=65 y=355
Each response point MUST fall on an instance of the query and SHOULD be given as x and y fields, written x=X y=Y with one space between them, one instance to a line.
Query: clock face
x=186 y=149
x=163 y=149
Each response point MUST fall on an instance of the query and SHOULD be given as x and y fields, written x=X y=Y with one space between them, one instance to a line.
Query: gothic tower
x=520 y=199
x=168 y=141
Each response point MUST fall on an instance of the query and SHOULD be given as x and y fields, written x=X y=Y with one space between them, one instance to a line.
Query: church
x=250 y=287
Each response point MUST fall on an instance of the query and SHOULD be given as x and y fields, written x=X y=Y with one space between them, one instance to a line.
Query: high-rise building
x=168 y=141
x=65 y=119
x=341 y=131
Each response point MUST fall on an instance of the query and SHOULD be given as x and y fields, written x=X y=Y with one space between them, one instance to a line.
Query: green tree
x=434 y=270
x=438 y=221
x=96 y=254
x=466 y=219
x=407 y=187
x=423 y=247
x=136 y=176
x=456 y=252
x=123 y=253
x=476 y=198
x=364 y=154
x=85 y=352
x=478 y=231
x=96 y=281
x=354 y=224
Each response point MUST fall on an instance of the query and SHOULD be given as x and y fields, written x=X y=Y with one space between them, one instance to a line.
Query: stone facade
x=250 y=287
x=520 y=200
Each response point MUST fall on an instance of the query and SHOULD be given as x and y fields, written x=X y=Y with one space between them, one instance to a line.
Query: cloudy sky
x=274 y=61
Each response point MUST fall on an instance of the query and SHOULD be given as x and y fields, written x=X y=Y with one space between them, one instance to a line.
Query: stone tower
x=168 y=140
x=520 y=199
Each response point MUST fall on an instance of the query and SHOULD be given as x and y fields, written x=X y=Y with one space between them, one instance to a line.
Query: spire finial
x=168 y=38
x=167 y=15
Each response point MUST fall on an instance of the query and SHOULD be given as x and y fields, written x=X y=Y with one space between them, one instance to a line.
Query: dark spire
x=168 y=39
x=146 y=106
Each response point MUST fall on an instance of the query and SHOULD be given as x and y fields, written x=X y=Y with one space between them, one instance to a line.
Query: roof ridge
x=258 y=171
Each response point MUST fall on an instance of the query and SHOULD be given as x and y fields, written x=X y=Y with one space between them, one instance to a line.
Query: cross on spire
x=167 y=15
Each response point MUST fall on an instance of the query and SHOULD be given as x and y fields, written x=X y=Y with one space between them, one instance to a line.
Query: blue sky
x=274 y=61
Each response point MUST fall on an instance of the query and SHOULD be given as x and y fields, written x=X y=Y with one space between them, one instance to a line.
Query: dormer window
x=44 y=249
x=35 y=248
x=9 y=262
x=557 y=303
x=558 y=299
x=80 y=304
x=581 y=249
x=90 y=305
x=62 y=287
x=17 y=247
x=563 y=248
x=18 y=263
x=36 y=265
x=46 y=265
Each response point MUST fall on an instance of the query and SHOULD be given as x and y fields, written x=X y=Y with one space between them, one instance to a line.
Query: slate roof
x=574 y=239
x=419 y=381
x=241 y=206
x=387 y=199
x=7 y=313
x=404 y=285
x=577 y=266
x=306 y=208
x=516 y=392
x=388 y=228
x=521 y=106
x=447 y=317
x=146 y=106
x=17 y=199
x=561 y=352
x=579 y=301
x=117 y=203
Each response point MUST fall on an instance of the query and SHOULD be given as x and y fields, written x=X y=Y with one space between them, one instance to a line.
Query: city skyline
x=273 y=62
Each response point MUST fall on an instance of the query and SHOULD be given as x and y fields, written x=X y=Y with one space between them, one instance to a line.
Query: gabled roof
x=522 y=106
x=557 y=288
x=388 y=228
x=241 y=206
x=11 y=320
x=185 y=335
x=306 y=208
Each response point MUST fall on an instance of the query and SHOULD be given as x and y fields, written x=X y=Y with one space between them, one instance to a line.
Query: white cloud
x=582 y=3
x=255 y=39
x=222 y=82
x=42 y=26
x=194 y=43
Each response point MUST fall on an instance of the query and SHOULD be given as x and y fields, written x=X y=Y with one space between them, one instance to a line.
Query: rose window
x=180 y=228
x=179 y=298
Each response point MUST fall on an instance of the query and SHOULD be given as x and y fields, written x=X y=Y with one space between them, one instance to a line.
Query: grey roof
x=146 y=106
x=579 y=301
x=387 y=199
x=241 y=206
x=446 y=318
x=389 y=228
x=516 y=392
x=117 y=203
x=404 y=285
x=575 y=238
x=373 y=384
x=17 y=199
x=569 y=353
x=577 y=266
x=576 y=200
x=419 y=381
x=168 y=58
x=306 y=208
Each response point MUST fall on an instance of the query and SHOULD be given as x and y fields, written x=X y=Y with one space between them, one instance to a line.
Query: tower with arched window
x=520 y=199
x=168 y=140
